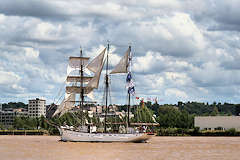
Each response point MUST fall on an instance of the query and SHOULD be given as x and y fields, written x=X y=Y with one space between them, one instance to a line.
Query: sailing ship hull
x=74 y=136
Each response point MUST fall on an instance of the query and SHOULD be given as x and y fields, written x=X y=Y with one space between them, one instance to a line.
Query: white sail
x=95 y=80
x=77 y=89
x=59 y=109
x=96 y=62
x=69 y=104
x=76 y=62
x=90 y=95
x=66 y=104
x=122 y=66
x=69 y=69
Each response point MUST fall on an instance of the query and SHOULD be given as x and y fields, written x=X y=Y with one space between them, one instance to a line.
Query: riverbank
x=196 y=132
x=158 y=148
x=160 y=132
x=24 y=132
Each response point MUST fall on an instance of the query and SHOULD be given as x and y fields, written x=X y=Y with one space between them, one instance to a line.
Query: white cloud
x=180 y=95
x=45 y=30
x=2 y=18
x=169 y=3
x=147 y=62
x=179 y=79
x=31 y=53
x=17 y=88
x=173 y=34
x=154 y=81
x=7 y=78
x=182 y=49
x=204 y=90
x=182 y=25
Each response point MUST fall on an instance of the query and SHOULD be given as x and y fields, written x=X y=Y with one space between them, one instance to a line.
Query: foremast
x=80 y=84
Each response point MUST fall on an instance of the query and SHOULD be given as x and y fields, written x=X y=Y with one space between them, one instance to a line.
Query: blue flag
x=131 y=90
x=130 y=84
x=129 y=77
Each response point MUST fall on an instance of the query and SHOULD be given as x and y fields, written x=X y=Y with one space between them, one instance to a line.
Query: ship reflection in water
x=48 y=148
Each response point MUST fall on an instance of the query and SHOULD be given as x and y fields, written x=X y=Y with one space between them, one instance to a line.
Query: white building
x=37 y=107
x=213 y=122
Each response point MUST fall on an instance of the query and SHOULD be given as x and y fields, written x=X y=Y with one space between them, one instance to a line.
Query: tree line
x=180 y=115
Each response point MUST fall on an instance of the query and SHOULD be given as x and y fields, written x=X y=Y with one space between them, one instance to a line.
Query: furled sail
x=78 y=79
x=96 y=62
x=66 y=104
x=122 y=65
x=77 y=89
x=95 y=80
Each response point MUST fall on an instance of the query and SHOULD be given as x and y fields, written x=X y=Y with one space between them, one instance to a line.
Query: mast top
x=80 y=51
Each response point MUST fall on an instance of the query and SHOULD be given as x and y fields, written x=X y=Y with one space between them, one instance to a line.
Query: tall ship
x=81 y=85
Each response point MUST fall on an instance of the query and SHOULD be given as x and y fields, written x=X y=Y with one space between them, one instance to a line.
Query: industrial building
x=217 y=122
x=7 y=116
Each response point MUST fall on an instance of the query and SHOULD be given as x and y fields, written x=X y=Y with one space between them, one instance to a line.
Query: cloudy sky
x=184 y=50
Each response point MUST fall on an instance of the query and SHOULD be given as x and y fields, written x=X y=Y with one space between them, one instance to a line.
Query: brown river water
x=158 y=148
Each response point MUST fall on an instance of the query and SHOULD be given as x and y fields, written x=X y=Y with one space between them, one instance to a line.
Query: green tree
x=143 y=114
x=215 y=111
x=171 y=116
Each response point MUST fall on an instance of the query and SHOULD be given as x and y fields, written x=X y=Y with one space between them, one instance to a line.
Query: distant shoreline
x=170 y=132
x=24 y=132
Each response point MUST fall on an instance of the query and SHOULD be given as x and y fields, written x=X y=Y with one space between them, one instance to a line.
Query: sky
x=183 y=50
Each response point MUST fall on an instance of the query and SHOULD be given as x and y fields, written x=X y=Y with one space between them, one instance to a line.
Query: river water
x=158 y=148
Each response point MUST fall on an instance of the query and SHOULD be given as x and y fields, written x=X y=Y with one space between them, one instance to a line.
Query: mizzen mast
x=124 y=66
x=106 y=91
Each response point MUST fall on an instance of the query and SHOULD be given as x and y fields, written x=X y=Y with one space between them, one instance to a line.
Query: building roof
x=37 y=99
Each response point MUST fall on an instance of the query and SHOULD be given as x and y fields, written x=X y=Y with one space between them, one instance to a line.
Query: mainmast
x=106 y=92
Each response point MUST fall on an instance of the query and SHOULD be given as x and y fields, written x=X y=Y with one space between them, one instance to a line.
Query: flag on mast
x=130 y=84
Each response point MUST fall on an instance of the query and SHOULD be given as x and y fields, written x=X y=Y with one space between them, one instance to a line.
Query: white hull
x=74 y=136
